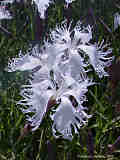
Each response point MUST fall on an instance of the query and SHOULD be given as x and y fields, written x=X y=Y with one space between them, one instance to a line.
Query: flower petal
x=65 y=116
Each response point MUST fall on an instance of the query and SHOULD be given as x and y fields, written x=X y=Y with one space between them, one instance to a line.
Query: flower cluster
x=59 y=72
x=42 y=6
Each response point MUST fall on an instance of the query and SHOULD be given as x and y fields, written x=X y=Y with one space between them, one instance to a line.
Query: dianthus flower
x=74 y=45
x=59 y=72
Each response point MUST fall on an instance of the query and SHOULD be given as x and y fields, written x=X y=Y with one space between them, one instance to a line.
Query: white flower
x=59 y=73
x=99 y=57
x=4 y=13
x=65 y=38
x=116 y=20
x=66 y=44
x=84 y=34
x=28 y=61
x=42 y=88
x=68 y=2
x=74 y=45
x=42 y=5
x=36 y=99
x=67 y=114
